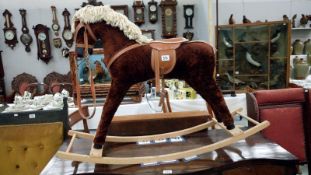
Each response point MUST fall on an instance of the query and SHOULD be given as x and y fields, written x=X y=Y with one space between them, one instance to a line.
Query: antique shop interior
x=155 y=87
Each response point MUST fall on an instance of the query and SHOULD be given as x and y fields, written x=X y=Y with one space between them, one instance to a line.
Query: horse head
x=113 y=28
x=84 y=38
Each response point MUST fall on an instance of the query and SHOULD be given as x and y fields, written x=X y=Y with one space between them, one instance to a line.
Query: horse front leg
x=209 y=90
x=115 y=96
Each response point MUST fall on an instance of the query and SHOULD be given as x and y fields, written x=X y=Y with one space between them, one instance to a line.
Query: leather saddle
x=163 y=57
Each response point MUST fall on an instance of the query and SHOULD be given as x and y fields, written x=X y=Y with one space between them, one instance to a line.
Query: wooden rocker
x=235 y=135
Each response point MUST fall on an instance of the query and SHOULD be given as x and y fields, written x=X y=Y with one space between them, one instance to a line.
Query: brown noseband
x=87 y=30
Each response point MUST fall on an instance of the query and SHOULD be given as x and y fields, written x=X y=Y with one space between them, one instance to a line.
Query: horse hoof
x=97 y=146
x=96 y=152
x=230 y=127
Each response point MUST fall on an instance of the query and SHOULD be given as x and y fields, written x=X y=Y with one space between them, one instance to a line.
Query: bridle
x=86 y=47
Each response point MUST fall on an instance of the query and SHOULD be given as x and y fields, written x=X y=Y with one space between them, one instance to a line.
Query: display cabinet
x=254 y=55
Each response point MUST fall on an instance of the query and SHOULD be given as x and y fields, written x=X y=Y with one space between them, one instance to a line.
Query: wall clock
x=57 y=42
x=123 y=9
x=67 y=35
x=153 y=11
x=9 y=30
x=168 y=8
x=139 y=15
x=43 y=42
x=25 y=38
x=188 y=14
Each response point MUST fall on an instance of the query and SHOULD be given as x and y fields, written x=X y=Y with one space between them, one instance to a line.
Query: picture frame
x=149 y=33
x=123 y=9
x=79 y=78
x=98 y=68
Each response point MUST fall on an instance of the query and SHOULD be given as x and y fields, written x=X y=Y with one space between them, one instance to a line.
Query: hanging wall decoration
x=92 y=2
x=57 y=42
x=25 y=37
x=67 y=35
x=153 y=11
x=168 y=8
x=139 y=12
x=188 y=14
x=123 y=9
x=43 y=42
x=9 y=30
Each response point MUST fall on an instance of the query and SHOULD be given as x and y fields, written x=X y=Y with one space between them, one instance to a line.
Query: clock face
x=9 y=35
x=139 y=11
x=152 y=8
x=55 y=27
x=189 y=11
x=41 y=36
x=67 y=35
x=168 y=12
x=26 y=38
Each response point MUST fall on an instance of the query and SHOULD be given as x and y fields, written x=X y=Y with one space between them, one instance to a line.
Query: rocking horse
x=133 y=58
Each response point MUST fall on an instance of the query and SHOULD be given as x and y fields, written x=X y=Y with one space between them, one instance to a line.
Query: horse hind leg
x=115 y=96
x=210 y=92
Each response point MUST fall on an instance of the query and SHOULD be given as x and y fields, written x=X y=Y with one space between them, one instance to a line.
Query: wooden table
x=255 y=155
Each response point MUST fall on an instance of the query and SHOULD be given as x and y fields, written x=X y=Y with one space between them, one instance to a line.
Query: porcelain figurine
x=231 y=20
x=245 y=20
x=303 y=20
x=293 y=21
x=307 y=47
x=298 y=46
x=301 y=69
x=285 y=18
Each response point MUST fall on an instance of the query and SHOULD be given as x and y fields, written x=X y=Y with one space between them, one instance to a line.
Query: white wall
x=18 y=61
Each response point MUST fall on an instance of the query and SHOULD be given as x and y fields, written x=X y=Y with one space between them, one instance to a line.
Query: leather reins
x=86 y=46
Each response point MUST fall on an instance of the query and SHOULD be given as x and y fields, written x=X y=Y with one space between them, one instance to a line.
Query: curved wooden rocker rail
x=236 y=135
x=124 y=139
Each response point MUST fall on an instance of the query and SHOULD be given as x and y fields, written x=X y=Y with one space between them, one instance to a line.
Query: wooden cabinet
x=254 y=55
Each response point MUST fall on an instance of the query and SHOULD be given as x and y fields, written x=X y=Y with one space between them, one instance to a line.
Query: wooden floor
x=251 y=152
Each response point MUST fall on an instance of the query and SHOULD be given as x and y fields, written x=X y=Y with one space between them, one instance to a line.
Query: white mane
x=93 y=14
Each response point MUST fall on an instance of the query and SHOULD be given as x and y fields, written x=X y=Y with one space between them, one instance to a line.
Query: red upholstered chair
x=288 y=111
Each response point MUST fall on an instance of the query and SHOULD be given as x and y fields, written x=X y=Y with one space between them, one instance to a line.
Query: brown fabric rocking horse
x=195 y=62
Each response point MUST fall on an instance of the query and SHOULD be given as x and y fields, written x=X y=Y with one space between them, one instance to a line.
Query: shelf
x=300 y=56
x=251 y=75
x=225 y=59
x=250 y=42
x=301 y=28
x=277 y=58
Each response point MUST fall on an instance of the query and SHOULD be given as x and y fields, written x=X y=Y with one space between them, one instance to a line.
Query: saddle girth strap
x=118 y=54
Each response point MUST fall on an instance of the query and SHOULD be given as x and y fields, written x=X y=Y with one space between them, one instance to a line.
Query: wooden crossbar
x=147 y=137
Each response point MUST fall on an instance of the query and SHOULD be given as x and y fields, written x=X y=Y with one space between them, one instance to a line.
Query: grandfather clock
x=2 y=88
x=168 y=8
